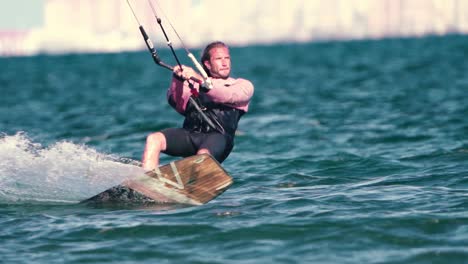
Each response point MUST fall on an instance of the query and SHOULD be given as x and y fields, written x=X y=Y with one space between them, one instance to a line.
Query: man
x=210 y=128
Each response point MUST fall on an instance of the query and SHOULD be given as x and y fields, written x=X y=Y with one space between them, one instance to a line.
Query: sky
x=21 y=14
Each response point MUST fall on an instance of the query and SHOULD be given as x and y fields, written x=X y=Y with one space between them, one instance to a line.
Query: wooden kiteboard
x=194 y=180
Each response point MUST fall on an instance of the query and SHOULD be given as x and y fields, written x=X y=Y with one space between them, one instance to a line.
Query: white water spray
x=62 y=173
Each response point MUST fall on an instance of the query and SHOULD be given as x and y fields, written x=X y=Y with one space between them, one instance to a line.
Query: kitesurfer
x=212 y=129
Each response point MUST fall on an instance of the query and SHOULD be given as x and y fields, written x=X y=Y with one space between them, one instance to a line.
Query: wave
x=61 y=173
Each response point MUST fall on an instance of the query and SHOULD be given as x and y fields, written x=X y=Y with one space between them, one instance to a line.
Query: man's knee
x=218 y=154
x=203 y=151
x=156 y=139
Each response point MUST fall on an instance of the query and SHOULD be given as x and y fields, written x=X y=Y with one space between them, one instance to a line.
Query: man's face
x=219 y=64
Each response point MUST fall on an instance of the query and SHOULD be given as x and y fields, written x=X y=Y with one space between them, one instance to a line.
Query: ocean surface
x=352 y=152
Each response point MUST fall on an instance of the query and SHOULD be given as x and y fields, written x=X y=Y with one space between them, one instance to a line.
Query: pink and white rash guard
x=235 y=93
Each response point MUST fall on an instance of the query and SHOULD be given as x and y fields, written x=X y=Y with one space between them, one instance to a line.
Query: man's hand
x=186 y=72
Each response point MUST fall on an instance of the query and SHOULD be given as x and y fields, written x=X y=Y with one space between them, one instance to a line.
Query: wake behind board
x=194 y=180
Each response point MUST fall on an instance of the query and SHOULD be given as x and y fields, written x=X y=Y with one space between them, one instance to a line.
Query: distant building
x=109 y=26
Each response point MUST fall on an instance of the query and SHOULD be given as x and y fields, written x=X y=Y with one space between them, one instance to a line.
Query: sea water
x=352 y=152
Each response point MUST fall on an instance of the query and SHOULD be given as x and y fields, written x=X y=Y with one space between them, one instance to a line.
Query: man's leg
x=171 y=141
x=203 y=151
x=214 y=144
x=155 y=143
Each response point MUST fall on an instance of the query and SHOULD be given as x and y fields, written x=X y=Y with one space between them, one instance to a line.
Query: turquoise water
x=353 y=152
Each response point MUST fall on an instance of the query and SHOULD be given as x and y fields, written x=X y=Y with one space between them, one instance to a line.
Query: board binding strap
x=194 y=180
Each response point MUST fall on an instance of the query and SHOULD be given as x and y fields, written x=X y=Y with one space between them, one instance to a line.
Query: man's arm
x=233 y=92
x=178 y=94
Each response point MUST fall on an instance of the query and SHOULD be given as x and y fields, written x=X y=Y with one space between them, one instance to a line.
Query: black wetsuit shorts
x=183 y=143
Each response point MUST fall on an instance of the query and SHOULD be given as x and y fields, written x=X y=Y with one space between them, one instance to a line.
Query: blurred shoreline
x=108 y=25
